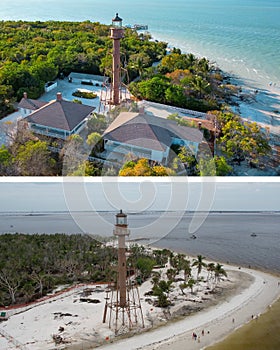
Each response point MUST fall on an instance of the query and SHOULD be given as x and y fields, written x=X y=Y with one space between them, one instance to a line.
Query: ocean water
x=242 y=37
x=224 y=237
x=261 y=334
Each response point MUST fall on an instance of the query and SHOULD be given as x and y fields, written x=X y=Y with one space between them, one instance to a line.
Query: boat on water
x=193 y=236
x=253 y=234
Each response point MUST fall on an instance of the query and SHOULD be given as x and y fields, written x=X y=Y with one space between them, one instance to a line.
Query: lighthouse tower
x=124 y=301
x=121 y=231
x=117 y=34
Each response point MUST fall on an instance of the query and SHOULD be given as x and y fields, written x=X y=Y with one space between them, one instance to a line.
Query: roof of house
x=149 y=131
x=29 y=103
x=60 y=114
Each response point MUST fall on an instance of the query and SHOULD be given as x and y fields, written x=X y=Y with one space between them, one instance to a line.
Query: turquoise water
x=242 y=37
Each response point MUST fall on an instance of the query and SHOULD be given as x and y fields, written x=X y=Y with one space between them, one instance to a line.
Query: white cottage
x=148 y=136
x=59 y=118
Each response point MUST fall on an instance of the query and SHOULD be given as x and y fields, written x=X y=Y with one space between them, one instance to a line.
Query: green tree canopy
x=32 y=53
x=243 y=141
x=33 y=159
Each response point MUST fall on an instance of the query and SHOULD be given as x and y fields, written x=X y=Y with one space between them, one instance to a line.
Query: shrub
x=84 y=94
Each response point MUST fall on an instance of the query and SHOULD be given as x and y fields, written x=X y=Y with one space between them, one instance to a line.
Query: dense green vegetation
x=33 y=53
x=26 y=155
x=242 y=140
x=235 y=142
x=183 y=80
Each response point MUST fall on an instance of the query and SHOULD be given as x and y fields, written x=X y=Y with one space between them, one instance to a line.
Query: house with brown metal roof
x=59 y=118
x=27 y=105
x=147 y=136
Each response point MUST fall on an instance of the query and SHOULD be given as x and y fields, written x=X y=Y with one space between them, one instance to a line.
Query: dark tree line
x=33 y=265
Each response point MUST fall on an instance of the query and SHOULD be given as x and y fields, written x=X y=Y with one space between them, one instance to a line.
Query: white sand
x=262 y=107
x=33 y=328
x=217 y=320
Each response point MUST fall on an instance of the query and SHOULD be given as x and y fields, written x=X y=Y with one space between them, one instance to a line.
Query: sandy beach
x=217 y=320
x=259 y=105
x=245 y=293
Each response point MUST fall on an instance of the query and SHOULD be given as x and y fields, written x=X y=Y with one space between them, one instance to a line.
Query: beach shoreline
x=257 y=101
x=252 y=301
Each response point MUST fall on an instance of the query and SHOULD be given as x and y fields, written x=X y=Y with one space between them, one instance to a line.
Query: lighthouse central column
x=116 y=71
x=122 y=270
x=121 y=231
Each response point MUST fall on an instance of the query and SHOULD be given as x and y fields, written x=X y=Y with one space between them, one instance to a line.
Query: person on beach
x=202 y=332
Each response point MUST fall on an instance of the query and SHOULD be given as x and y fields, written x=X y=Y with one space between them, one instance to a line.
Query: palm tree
x=187 y=269
x=190 y=284
x=219 y=271
x=162 y=291
x=191 y=61
x=161 y=256
x=155 y=279
x=182 y=286
x=171 y=273
x=203 y=65
x=177 y=262
x=210 y=268
x=200 y=85
x=199 y=263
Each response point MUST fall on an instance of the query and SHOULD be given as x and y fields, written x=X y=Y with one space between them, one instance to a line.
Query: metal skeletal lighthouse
x=122 y=299
x=117 y=33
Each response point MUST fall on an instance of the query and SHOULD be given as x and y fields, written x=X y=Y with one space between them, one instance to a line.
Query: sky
x=141 y=194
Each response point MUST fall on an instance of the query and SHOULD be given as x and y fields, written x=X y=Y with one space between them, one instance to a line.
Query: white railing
x=48 y=133
x=181 y=110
